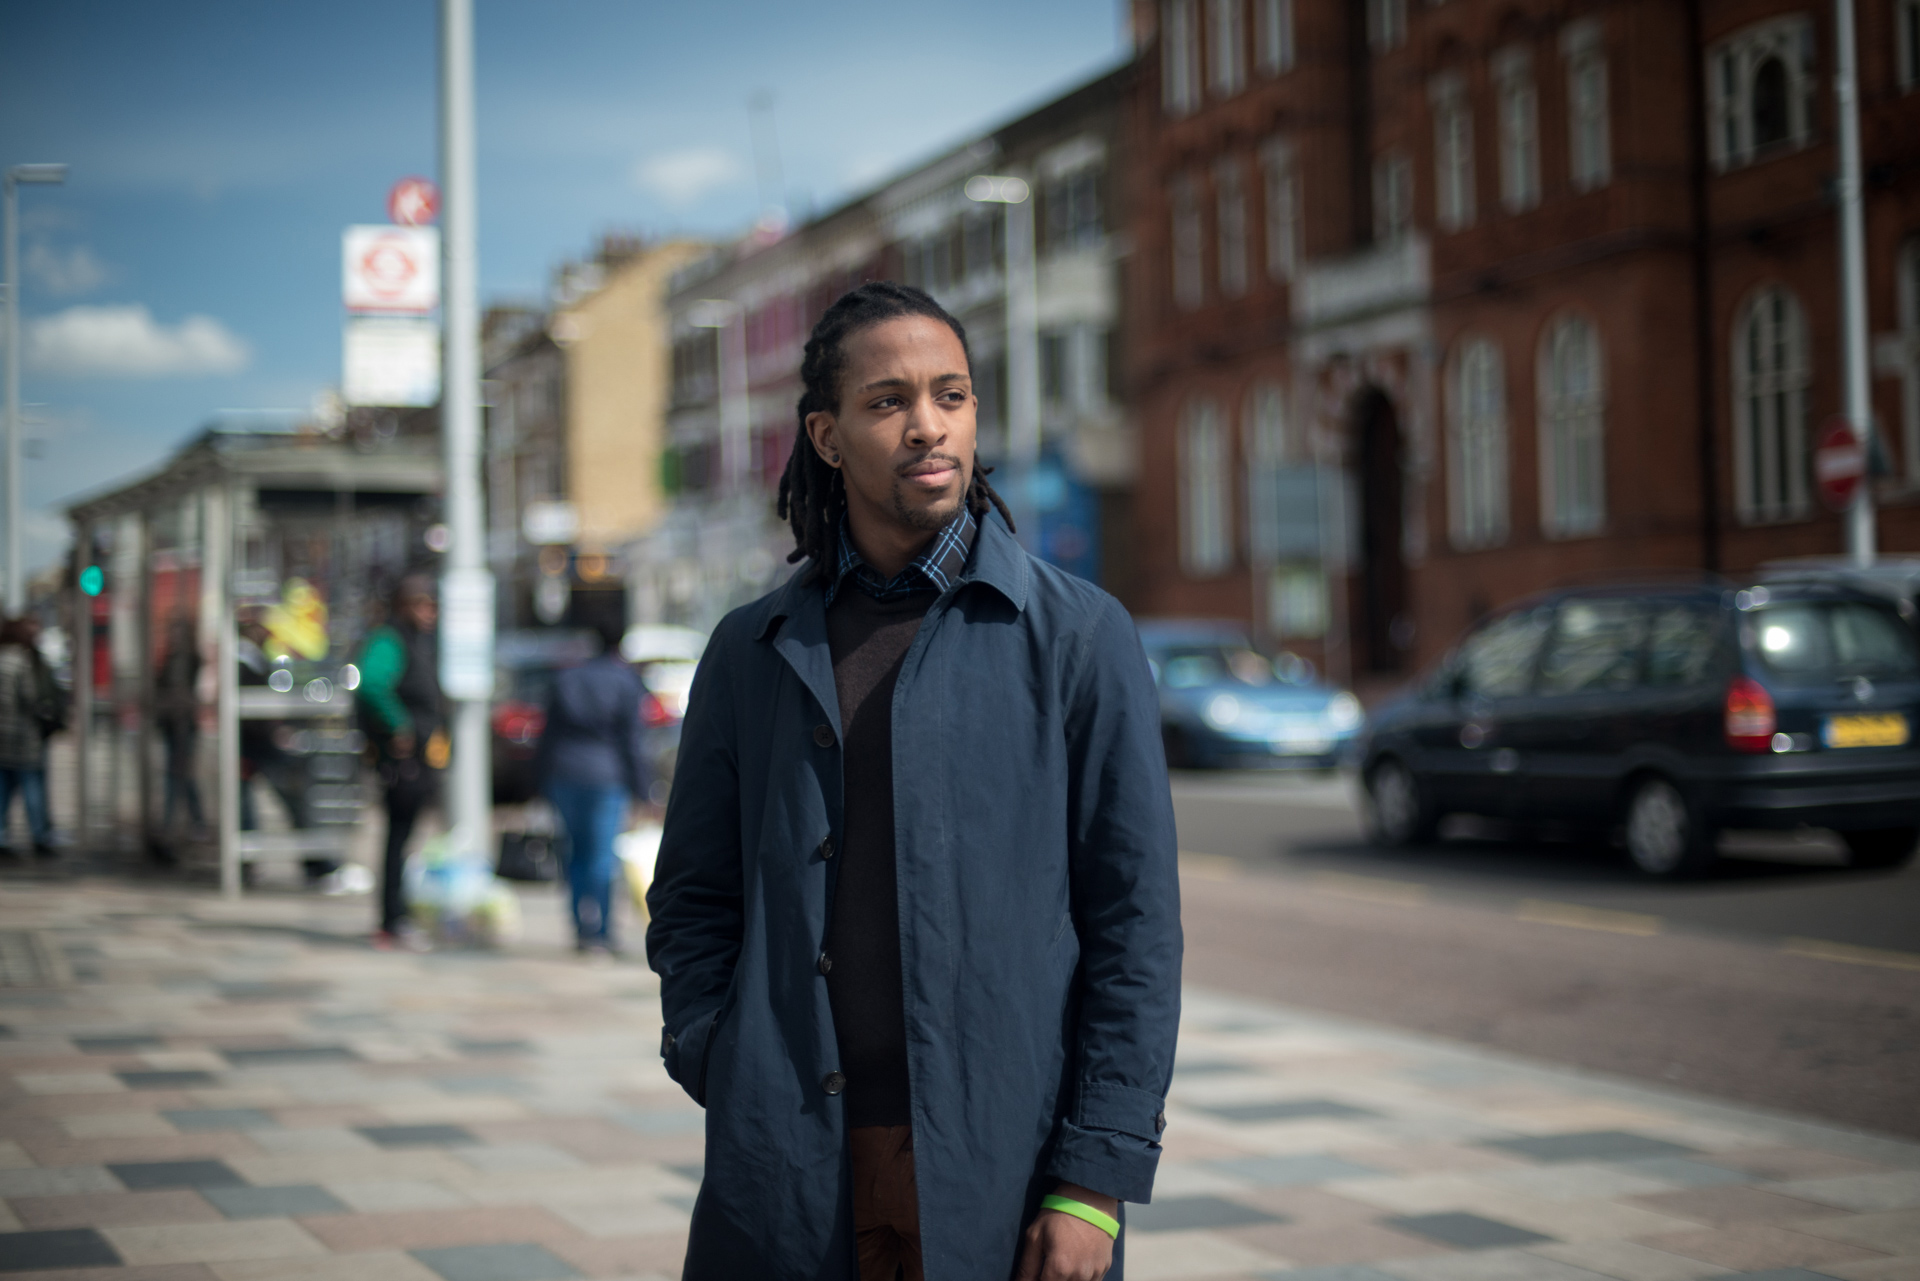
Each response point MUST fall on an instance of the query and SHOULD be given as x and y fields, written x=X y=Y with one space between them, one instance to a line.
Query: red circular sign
x=388 y=268
x=413 y=202
x=1839 y=463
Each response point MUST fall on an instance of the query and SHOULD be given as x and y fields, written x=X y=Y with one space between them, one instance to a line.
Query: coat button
x=1159 y=1122
x=666 y=1043
x=823 y=735
x=833 y=1083
x=826 y=963
x=826 y=848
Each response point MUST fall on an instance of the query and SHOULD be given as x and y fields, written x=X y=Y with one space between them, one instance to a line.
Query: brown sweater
x=868 y=640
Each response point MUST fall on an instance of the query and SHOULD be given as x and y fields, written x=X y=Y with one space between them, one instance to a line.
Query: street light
x=1023 y=344
x=726 y=318
x=16 y=587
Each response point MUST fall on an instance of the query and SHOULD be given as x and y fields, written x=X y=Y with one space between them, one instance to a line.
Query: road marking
x=1847 y=954
x=1209 y=867
x=1573 y=916
x=1370 y=889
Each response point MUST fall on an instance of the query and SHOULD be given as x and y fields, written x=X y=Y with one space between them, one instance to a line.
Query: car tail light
x=519 y=722
x=1750 y=719
x=654 y=713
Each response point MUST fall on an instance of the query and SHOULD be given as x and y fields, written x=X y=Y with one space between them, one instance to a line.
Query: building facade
x=1437 y=304
x=739 y=320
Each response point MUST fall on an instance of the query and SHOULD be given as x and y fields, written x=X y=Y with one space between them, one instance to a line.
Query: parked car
x=1226 y=705
x=524 y=666
x=666 y=658
x=1895 y=577
x=1669 y=712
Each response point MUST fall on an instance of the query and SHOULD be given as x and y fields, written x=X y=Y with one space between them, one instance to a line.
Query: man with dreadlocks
x=915 y=912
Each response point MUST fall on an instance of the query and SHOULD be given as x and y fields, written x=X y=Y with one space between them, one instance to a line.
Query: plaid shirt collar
x=935 y=569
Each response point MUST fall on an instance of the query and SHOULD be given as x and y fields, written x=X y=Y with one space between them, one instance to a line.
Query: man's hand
x=400 y=746
x=1061 y=1247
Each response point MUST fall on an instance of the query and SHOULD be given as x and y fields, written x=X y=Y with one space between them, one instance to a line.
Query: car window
x=1828 y=640
x=1189 y=668
x=1680 y=644
x=1497 y=660
x=1596 y=646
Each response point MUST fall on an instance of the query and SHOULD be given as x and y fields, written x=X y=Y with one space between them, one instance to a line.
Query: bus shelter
x=222 y=599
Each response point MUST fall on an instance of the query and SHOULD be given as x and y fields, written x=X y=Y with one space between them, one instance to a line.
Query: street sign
x=392 y=362
x=391 y=269
x=466 y=634
x=1839 y=463
x=413 y=202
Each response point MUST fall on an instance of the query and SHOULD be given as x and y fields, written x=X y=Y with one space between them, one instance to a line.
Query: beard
x=933 y=517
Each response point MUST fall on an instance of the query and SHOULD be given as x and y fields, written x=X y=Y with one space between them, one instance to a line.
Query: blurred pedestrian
x=31 y=710
x=176 y=714
x=592 y=769
x=261 y=753
x=403 y=715
x=919 y=814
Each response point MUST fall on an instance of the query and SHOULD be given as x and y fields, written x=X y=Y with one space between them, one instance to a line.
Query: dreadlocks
x=813 y=495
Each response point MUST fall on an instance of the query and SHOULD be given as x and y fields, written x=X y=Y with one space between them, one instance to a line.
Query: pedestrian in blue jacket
x=915 y=913
x=592 y=767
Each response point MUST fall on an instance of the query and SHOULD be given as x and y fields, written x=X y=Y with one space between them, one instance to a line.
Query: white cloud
x=680 y=178
x=125 y=341
x=77 y=271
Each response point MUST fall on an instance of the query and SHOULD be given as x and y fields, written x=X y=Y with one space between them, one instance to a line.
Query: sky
x=190 y=265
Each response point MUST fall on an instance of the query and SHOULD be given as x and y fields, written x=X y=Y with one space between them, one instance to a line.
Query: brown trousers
x=886 y=1203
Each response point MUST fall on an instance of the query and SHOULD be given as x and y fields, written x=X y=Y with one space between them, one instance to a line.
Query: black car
x=1671 y=712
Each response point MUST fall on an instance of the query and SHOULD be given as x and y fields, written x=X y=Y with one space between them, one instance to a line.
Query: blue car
x=1225 y=705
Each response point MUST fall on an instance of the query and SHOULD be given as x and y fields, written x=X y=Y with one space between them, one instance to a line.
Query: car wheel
x=1665 y=837
x=1398 y=811
x=1882 y=847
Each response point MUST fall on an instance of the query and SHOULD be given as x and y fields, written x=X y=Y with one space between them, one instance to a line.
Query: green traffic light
x=92 y=580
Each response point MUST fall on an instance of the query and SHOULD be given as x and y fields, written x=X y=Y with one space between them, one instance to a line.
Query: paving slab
x=251 y=1094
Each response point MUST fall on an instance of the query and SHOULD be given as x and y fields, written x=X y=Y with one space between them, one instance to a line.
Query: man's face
x=422 y=612
x=903 y=436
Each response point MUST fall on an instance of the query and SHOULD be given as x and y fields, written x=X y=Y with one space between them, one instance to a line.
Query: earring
x=836 y=458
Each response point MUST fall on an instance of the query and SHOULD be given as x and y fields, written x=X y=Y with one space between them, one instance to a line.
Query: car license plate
x=1882 y=729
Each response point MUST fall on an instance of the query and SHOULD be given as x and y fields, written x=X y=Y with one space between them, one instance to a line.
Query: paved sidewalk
x=192 y=1091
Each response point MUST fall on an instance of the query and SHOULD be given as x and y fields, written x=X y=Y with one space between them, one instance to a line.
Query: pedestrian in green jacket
x=401 y=712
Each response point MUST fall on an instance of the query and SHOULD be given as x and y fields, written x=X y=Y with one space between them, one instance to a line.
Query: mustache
x=920 y=464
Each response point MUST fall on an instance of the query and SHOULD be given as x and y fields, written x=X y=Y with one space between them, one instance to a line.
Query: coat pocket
x=686 y=1054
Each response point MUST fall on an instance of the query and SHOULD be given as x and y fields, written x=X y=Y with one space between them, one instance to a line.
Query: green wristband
x=1080 y=1210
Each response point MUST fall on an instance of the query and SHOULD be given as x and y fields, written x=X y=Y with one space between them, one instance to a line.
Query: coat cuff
x=685 y=1053
x=1105 y=1161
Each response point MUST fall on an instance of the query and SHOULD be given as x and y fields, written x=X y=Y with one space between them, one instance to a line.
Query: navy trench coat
x=1039 y=920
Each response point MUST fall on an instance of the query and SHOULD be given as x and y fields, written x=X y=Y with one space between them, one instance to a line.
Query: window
x=1180 y=57
x=1283 y=210
x=1392 y=196
x=1680 y=644
x=1267 y=450
x=1770 y=377
x=1189 y=245
x=1519 y=130
x=1908 y=289
x=1229 y=192
x=1497 y=660
x=1760 y=88
x=1907 y=34
x=1074 y=219
x=1053 y=368
x=1589 y=144
x=1206 y=547
x=1572 y=444
x=1477 y=440
x=1226 y=48
x=1595 y=648
x=1386 y=24
x=1273 y=35
x=1452 y=153
x=982 y=242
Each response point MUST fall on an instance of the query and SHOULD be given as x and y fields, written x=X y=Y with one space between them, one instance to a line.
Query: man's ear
x=821 y=429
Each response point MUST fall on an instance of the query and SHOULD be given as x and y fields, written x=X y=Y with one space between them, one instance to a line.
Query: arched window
x=1770 y=377
x=1760 y=90
x=1206 y=539
x=1477 y=446
x=1771 y=122
x=1573 y=492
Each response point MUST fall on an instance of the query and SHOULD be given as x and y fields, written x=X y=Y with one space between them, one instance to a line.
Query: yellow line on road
x=1847 y=954
x=1208 y=867
x=1573 y=916
x=1371 y=889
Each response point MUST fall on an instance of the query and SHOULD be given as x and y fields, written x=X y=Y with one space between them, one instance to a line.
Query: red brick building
x=1438 y=303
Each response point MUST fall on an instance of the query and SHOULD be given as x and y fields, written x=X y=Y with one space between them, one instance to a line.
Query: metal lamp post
x=1023 y=344
x=16 y=586
x=1861 y=547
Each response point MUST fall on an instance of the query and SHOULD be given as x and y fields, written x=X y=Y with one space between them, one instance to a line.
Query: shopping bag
x=527 y=856
x=636 y=851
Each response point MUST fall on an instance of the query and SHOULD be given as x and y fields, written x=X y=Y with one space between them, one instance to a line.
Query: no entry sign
x=413 y=202
x=1839 y=463
x=391 y=269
